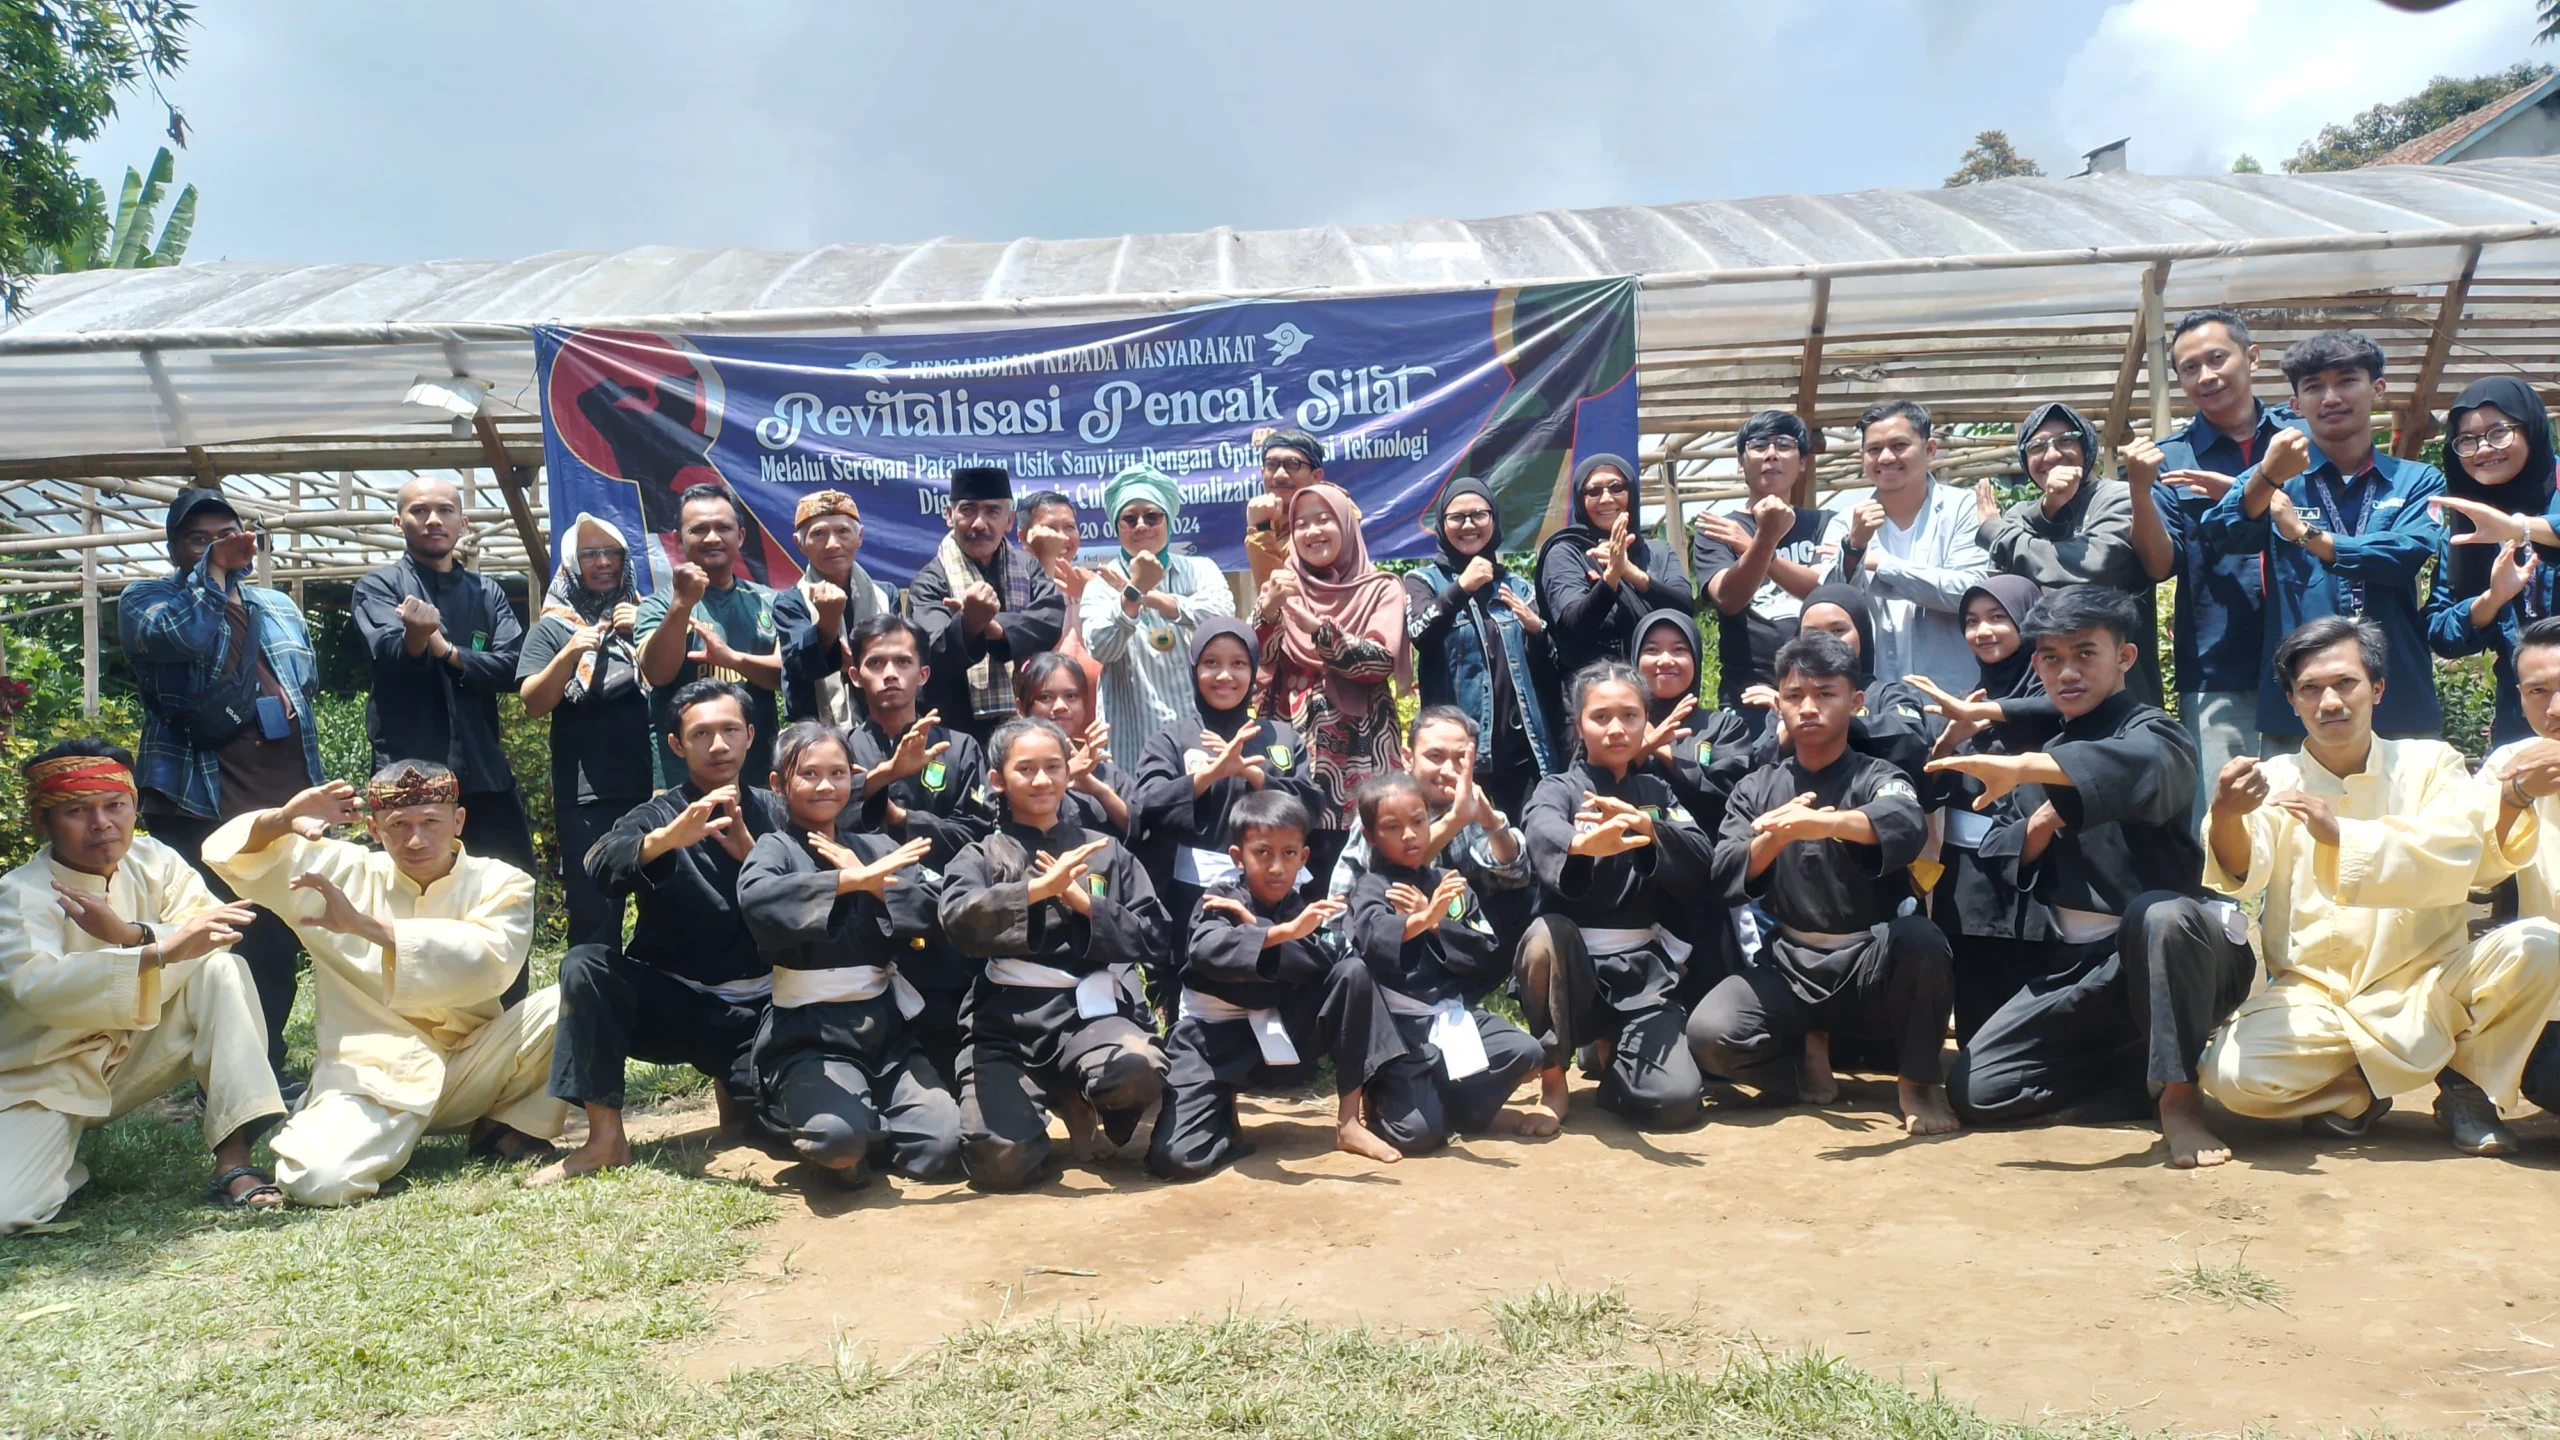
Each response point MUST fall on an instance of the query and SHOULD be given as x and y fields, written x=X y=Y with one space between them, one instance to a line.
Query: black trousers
x=493 y=825
x=2542 y=1071
x=1028 y=1050
x=1988 y=970
x=1442 y=1107
x=2106 y=1025
x=938 y=1033
x=1570 y=1000
x=1750 y=1029
x=1340 y=1016
x=614 y=1009
x=595 y=918
x=268 y=946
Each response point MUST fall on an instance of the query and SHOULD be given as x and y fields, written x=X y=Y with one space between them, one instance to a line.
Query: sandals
x=219 y=1192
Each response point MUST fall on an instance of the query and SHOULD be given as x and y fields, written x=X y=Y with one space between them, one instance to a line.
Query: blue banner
x=1407 y=392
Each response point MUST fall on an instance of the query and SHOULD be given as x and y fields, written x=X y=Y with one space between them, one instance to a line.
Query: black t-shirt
x=1747 y=643
x=600 y=742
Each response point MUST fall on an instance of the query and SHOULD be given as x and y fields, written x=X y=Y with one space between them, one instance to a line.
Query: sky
x=473 y=129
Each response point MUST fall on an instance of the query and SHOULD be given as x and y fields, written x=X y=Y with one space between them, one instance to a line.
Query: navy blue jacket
x=2218 y=633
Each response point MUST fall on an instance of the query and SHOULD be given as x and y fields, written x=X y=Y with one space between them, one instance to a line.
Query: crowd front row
x=894 y=949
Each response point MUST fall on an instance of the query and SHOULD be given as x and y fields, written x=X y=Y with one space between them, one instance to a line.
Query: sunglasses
x=1605 y=487
x=1141 y=519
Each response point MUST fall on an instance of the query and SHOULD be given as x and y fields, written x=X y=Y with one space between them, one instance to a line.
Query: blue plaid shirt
x=175 y=634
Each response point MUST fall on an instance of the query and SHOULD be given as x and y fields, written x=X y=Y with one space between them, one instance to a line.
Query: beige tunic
x=71 y=1004
x=2375 y=924
x=2537 y=867
x=387 y=1028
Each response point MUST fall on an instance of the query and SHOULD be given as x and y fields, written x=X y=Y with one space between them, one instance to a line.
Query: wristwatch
x=1132 y=594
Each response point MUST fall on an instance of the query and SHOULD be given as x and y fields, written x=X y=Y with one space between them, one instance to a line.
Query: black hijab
x=2014 y=678
x=2527 y=494
x=1449 y=555
x=1655 y=708
x=1224 y=723
x=1853 y=600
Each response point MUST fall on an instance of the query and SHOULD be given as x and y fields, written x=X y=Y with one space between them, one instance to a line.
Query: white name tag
x=1097 y=995
x=1271 y=1034
x=1454 y=1035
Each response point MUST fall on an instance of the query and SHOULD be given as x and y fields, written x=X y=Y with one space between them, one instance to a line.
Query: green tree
x=63 y=66
x=125 y=243
x=2386 y=127
x=2248 y=164
x=1992 y=158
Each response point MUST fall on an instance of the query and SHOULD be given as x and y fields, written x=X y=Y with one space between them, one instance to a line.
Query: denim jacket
x=1450 y=666
x=174 y=632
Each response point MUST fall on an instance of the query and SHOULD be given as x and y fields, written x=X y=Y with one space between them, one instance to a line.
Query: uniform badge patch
x=935 y=775
x=1279 y=757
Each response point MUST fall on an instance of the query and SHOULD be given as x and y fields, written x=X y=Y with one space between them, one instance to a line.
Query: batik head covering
x=824 y=502
x=70 y=777
x=404 y=783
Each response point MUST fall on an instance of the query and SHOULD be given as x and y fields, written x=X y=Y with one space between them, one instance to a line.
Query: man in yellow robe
x=2367 y=851
x=116 y=983
x=412 y=947
x=2525 y=776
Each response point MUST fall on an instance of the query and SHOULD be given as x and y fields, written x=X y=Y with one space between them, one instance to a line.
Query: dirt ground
x=2020 y=1270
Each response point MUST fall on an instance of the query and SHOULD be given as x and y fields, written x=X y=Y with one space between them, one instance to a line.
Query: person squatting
x=895 y=897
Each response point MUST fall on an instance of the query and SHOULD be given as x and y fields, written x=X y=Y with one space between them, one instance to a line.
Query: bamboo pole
x=89 y=642
x=1809 y=382
x=2412 y=436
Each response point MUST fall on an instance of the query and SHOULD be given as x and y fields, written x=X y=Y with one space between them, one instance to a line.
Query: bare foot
x=605 y=1149
x=1819 y=1086
x=2192 y=1146
x=1925 y=1110
x=1532 y=1124
x=734 y=1112
x=1084 y=1138
x=1355 y=1137
x=1553 y=1093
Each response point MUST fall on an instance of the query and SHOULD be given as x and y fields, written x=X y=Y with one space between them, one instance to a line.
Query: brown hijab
x=1356 y=598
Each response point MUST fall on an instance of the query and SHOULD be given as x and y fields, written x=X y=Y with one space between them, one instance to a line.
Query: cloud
x=2198 y=82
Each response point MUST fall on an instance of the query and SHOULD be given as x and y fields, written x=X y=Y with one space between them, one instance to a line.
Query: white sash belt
x=1746 y=928
x=1453 y=1031
x=1269 y=1034
x=1822 y=939
x=1597 y=940
x=736 y=992
x=1966 y=828
x=795 y=988
x=1097 y=994
x=2085 y=927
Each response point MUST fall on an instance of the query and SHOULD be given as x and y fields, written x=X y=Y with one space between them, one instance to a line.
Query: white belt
x=1597 y=940
x=2085 y=927
x=736 y=992
x=1097 y=994
x=1823 y=939
x=1269 y=1034
x=795 y=988
x=1965 y=828
x=1453 y=1031
x=1204 y=868
x=1746 y=928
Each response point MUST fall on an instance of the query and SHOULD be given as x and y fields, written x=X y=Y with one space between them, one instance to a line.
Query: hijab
x=2067 y=520
x=1143 y=482
x=1853 y=600
x=2014 y=678
x=1224 y=722
x=1449 y=555
x=568 y=599
x=2527 y=494
x=1655 y=708
x=1356 y=598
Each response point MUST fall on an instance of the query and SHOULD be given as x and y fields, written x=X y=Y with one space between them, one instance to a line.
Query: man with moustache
x=1915 y=548
x=983 y=604
x=712 y=624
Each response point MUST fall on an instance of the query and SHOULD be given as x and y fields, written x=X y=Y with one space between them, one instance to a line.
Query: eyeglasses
x=2496 y=437
x=2054 y=445
x=599 y=552
x=1468 y=517
x=1605 y=487
x=1141 y=519
x=1285 y=465
x=1773 y=445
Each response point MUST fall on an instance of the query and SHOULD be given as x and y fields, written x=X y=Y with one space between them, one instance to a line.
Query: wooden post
x=89 y=608
x=2119 y=422
x=2412 y=436
x=2156 y=322
x=1809 y=383
x=511 y=479
x=293 y=540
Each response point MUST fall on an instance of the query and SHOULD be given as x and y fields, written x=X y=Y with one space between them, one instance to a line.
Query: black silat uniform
x=2107 y=1022
x=837 y=1070
x=1434 y=985
x=948 y=804
x=1316 y=993
x=1851 y=956
x=656 y=1000
x=1182 y=837
x=1598 y=964
x=1056 y=1014
x=1703 y=770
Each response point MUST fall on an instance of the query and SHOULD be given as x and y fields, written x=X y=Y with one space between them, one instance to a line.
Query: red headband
x=68 y=777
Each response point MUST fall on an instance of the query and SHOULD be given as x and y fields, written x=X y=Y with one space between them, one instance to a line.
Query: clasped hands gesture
x=1606 y=826
x=1059 y=877
x=1421 y=912
x=199 y=934
x=871 y=877
x=1609 y=563
x=2242 y=786
x=1228 y=760
x=1313 y=917
x=715 y=816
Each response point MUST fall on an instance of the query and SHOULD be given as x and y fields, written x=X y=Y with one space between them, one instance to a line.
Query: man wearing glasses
x=1915 y=547
x=2083 y=528
x=983 y=603
x=1755 y=561
x=1291 y=461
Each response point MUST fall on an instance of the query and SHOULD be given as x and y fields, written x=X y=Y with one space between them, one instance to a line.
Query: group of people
x=917 y=871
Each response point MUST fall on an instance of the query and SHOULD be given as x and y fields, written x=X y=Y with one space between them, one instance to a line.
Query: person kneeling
x=1823 y=841
x=1265 y=992
x=117 y=982
x=2367 y=850
x=1062 y=915
x=1435 y=954
x=412 y=948
x=837 y=1069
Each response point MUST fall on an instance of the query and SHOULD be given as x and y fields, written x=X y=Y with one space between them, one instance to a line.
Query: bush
x=52 y=674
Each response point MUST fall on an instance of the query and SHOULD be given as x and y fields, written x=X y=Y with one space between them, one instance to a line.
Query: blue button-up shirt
x=2376 y=567
x=176 y=636
x=2218 y=632
x=2450 y=631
